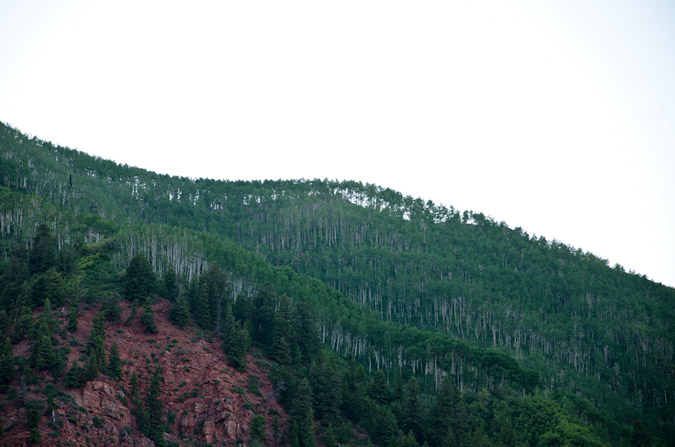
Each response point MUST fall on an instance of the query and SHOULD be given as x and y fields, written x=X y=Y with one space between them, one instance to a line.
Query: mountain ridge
x=584 y=326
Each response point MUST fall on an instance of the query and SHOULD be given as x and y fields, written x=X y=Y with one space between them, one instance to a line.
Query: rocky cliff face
x=205 y=400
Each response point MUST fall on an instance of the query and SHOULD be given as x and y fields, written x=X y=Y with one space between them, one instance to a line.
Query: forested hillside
x=402 y=287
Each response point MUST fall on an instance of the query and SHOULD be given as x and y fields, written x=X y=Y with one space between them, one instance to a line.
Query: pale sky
x=556 y=116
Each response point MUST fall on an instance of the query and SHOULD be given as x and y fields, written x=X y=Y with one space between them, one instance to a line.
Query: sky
x=555 y=116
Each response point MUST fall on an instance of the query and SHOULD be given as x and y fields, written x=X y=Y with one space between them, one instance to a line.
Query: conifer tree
x=238 y=346
x=330 y=437
x=307 y=332
x=179 y=313
x=294 y=434
x=380 y=388
x=148 y=318
x=6 y=365
x=23 y=325
x=263 y=315
x=75 y=377
x=96 y=346
x=112 y=309
x=72 y=323
x=202 y=312
x=281 y=335
x=257 y=429
x=170 y=284
x=114 y=363
x=154 y=408
x=413 y=409
x=4 y=322
x=139 y=278
x=14 y=276
x=43 y=253
x=448 y=411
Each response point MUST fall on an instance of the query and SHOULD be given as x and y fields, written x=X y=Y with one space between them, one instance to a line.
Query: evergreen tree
x=72 y=323
x=179 y=313
x=154 y=409
x=139 y=279
x=170 y=284
x=4 y=322
x=202 y=312
x=219 y=287
x=42 y=355
x=330 y=437
x=114 y=363
x=6 y=365
x=132 y=314
x=326 y=384
x=380 y=388
x=91 y=368
x=263 y=315
x=13 y=278
x=112 y=309
x=75 y=377
x=23 y=325
x=294 y=433
x=43 y=253
x=257 y=429
x=237 y=347
x=413 y=409
x=281 y=335
x=148 y=318
x=96 y=347
x=307 y=332
x=448 y=411
x=639 y=438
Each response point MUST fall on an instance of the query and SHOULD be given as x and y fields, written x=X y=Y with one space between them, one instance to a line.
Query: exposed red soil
x=210 y=400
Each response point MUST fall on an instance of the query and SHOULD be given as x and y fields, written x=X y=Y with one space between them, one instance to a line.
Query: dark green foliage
x=307 y=332
x=114 y=363
x=15 y=274
x=413 y=414
x=179 y=313
x=447 y=411
x=170 y=288
x=96 y=347
x=6 y=365
x=329 y=440
x=257 y=429
x=75 y=377
x=132 y=314
x=281 y=334
x=639 y=438
x=4 y=322
x=263 y=314
x=33 y=417
x=326 y=384
x=148 y=318
x=139 y=279
x=112 y=309
x=153 y=424
x=43 y=253
x=379 y=390
x=72 y=323
x=460 y=295
x=236 y=346
x=23 y=325
x=43 y=356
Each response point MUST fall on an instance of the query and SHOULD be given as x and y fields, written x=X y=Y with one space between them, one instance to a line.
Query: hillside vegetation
x=519 y=334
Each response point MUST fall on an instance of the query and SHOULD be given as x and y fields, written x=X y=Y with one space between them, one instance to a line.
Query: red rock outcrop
x=205 y=400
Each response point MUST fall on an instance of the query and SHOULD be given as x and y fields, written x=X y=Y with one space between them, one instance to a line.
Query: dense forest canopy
x=420 y=296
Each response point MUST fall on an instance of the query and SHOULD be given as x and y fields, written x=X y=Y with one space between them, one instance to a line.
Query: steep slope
x=586 y=328
x=207 y=401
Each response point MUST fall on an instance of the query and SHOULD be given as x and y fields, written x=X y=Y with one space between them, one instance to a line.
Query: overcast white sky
x=556 y=116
